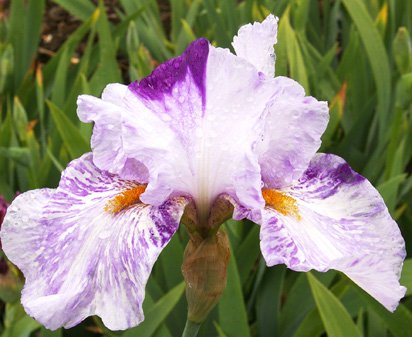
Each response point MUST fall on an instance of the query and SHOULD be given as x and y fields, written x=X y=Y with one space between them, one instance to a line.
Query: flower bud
x=204 y=269
x=402 y=50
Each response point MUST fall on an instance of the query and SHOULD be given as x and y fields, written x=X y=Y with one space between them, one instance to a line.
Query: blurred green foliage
x=355 y=54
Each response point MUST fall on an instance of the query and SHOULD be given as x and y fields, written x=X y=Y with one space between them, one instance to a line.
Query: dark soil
x=58 y=24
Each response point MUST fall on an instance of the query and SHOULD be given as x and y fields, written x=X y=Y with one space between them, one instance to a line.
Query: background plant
x=355 y=54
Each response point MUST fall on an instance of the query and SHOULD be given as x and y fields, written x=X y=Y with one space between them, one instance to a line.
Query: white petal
x=254 y=43
x=291 y=135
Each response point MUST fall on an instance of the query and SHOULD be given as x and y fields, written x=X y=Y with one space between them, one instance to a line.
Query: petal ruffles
x=337 y=221
x=191 y=115
x=291 y=135
x=254 y=42
x=81 y=258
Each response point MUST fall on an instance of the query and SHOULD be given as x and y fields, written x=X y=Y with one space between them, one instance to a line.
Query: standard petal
x=193 y=123
x=215 y=111
x=333 y=218
x=87 y=248
x=107 y=141
x=291 y=135
x=254 y=43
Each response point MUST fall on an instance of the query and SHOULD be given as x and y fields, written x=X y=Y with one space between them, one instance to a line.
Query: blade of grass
x=157 y=314
x=406 y=277
x=336 y=319
x=81 y=9
x=377 y=55
x=108 y=69
x=69 y=133
x=231 y=308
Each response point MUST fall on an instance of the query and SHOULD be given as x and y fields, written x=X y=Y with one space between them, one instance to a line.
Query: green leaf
x=22 y=328
x=402 y=50
x=20 y=155
x=269 y=301
x=300 y=12
x=24 y=34
x=108 y=69
x=336 y=319
x=289 y=42
x=310 y=326
x=69 y=46
x=177 y=12
x=376 y=326
x=299 y=302
x=232 y=310
x=17 y=323
x=79 y=8
x=389 y=190
x=170 y=262
x=406 y=277
x=190 y=19
x=72 y=138
x=398 y=322
x=47 y=333
x=156 y=315
x=248 y=253
x=376 y=52
x=60 y=80
x=216 y=21
x=219 y=330
x=6 y=66
x=20 y=119
x=403 y=91
x=190 y=35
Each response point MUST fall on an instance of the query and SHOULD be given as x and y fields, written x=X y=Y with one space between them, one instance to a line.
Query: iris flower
x=210 y=132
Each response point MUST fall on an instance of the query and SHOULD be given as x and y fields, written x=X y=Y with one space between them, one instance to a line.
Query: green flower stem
x=191 y=329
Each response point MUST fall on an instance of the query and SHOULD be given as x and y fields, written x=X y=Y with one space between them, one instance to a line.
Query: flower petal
x=292 y=132
x=342 y=223
x=79 y=257
x=254 y=43
x=193 y=123
x=107 y=142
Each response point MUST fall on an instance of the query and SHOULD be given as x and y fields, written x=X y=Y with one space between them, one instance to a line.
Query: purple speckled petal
x=254 y=43
x=78 y=258
x=343 y=225
x=292 y=132
x=193 y=123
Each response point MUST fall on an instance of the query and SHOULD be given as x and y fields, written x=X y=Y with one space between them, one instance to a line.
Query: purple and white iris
x=205 y=125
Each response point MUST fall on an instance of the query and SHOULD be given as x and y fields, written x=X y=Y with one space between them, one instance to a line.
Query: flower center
x=125 y=199
x=281 y=202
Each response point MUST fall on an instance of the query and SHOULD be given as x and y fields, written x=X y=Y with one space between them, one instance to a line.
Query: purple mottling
x=90 y=257
x=162 y=80
x=355 y=262
x=328 y=177
x=165 y=222
x=294 y=261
